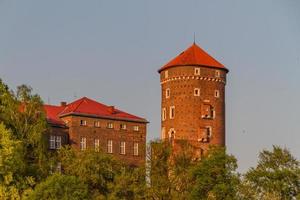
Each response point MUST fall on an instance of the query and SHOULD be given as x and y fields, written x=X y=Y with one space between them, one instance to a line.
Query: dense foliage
x=29 y=171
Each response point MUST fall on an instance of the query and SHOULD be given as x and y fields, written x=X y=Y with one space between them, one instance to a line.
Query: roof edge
x=192 y=65
x=142 y=120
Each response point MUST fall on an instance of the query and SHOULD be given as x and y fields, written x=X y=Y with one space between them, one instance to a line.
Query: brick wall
x=189 y=122
x=76 y=131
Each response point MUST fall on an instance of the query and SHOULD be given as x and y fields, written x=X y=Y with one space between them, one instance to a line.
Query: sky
x=111 y=50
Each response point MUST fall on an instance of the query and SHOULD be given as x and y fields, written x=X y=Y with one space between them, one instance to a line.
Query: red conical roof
x=193 y=55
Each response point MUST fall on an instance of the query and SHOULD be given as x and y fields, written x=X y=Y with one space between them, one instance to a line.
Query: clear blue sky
x=110 y=51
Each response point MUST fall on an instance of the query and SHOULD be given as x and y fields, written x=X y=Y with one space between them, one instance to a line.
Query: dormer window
x=197 y=71
x=82 y=122
x=110 y=125
x=197 y=92
x=168 y=93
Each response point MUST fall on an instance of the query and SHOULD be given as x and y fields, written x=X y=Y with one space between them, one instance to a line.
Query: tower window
x=217 y=93
x=163 y=133
x=207 y=111
x=168 y=93
x=82 y=122
x=217 y=73
x=172 y=112
x=166 y=74
x=197 y=71
x=197 y=92
x=205 y=134
x=164 y=114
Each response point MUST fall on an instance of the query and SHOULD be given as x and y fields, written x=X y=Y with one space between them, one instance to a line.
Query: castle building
x=193 y=99
x=88 y=124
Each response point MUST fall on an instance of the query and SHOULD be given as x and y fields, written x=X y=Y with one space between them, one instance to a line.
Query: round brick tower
x=193 y=99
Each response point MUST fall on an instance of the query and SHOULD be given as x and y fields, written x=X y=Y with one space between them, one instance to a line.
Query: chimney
x=63 y=104
x=111 y=109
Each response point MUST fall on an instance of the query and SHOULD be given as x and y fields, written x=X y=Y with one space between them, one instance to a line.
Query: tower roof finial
x=194 y=38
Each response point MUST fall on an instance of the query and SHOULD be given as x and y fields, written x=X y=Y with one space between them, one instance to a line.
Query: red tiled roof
x=52 y=113
x=193 y=55
x=86 y=106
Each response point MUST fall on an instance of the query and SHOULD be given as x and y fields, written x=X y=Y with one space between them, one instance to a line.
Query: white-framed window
x=166 y=74
x=172 y=112
x=135 y=148
x=209 y=131
x=217 y=93
x=136 y=128
x=122 y=148
x=168 y=93
x=110 y=125
x=208 y=111
x=55 y=142
x=163 y=132
x=109 y=146
x=164 y=114
x=196 y=92
x=58 y=142
x=82 y=143
x=217 y=73
x=197 y=71
x=97 y=145
x=52 y=142
x=123 y=126
x=206 y=134
x=82 y=122
x=97 y=123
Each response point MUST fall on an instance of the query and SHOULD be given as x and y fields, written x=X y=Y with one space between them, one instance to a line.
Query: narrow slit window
x=172 y=112
x=197 y=71
x=197 y=92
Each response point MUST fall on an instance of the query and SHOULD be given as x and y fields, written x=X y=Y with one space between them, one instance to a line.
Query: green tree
x=129 y=184
x=96 y=169
x=24 y=115
x=169 y=170
x=215 y=176
x=158 y=168
x=60 y=187
x=277 y=174
x=13 y=178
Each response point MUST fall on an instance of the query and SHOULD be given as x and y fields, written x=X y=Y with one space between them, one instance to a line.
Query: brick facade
x=196 y=93
x=86 y=131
